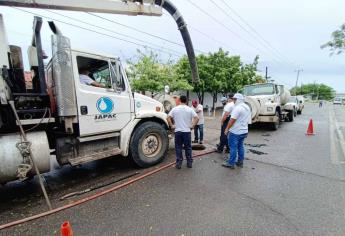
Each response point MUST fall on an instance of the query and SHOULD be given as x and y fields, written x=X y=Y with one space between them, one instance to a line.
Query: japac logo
x=105 y=105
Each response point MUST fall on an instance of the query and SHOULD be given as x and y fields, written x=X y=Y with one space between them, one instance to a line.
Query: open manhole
x=198 y=146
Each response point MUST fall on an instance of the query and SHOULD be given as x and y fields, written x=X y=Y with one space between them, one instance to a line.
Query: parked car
x=338 y=101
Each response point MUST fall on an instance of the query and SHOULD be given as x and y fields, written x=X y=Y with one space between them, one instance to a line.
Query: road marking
x=334 y=126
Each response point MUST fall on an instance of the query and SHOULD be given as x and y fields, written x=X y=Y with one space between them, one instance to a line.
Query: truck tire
x=168 y=106
x=275 y=125
x=254 y=106
x=167 y=100
x=149 y=144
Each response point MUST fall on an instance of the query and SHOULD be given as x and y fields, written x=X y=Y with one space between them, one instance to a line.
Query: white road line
x=334 y=126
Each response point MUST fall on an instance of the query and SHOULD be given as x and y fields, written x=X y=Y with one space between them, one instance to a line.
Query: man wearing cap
x=182 y=119
x=228 y=107
x=237 y=131
x=199 y=128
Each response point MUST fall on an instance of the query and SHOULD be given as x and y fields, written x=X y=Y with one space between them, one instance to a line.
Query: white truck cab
x=267 y=102
x=69 y=119
x=75 y=121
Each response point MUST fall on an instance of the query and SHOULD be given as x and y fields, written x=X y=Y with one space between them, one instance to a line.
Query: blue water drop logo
x=105 y=105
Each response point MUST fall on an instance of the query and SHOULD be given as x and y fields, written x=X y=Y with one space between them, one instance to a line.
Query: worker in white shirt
x=85 y=78
x=199 y=128
x=182 y=119
x=237 y=131
x=228 y=107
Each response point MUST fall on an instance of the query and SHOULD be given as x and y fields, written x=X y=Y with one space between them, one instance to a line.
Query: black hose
x=182 y=26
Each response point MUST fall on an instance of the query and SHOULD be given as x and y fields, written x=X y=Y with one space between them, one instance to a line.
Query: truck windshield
x=259 y=89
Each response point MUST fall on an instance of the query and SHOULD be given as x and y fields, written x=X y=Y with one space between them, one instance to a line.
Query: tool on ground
x=96 y=187
x=66 y=229
x=310 y=130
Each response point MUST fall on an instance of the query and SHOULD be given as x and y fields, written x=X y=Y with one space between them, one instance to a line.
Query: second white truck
x=268 y=103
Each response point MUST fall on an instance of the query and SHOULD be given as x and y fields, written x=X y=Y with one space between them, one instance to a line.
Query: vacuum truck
x=267 y=102
x=70 y=120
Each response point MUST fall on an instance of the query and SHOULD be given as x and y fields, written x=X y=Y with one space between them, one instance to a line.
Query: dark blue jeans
x=236 y=143
x=223 y=140
x=183 y=140
x=199 y=129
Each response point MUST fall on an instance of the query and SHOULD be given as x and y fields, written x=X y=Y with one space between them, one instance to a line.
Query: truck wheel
x=291 y=116
x=168 y=106
x=149 y=144
x=275 y=125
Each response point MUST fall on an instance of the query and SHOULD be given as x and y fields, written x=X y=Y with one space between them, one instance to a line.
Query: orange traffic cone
x=310 y=130
x=66 y=229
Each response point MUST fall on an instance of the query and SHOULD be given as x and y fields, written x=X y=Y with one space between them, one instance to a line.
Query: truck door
x=102 y=109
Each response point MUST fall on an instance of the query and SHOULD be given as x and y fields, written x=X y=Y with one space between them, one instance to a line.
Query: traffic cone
x=310 y=130
x=66 y=229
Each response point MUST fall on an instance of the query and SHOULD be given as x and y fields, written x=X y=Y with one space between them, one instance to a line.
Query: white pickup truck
x=267 y=102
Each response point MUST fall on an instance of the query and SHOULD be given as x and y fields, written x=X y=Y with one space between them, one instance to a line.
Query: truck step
x=94 y=156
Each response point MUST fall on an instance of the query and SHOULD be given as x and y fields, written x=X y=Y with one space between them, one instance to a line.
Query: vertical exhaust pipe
x=182 y=26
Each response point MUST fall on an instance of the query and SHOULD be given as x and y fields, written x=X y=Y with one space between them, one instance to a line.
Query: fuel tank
x=10 y=157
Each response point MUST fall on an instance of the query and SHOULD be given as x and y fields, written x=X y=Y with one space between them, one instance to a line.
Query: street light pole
x=298 y=71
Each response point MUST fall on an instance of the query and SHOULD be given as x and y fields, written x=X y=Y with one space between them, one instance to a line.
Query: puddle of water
x=255 y=145
x=257 y=152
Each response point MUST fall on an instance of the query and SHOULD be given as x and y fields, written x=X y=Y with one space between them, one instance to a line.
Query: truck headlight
x=269 y=109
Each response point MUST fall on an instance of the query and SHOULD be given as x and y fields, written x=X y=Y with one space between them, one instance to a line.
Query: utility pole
x=266 y=75
x=298 y=71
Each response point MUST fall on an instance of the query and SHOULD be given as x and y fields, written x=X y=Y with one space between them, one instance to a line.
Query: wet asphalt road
x=296 y=187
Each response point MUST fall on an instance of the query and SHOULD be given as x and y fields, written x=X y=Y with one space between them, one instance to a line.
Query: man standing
x=228 y=107
x=199 y=128
x=238 y=128
x=182 y=119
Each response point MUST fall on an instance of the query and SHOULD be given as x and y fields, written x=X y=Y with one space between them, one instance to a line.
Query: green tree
x=337 y=44
x=317 y=91
x=219 y=72
x=183 y=73
x=147 y=73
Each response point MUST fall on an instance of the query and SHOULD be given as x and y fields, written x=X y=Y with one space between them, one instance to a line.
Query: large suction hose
x=182 y=26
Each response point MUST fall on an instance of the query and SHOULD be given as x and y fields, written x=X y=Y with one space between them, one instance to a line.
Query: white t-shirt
x=243 y=116
x=228 y=108
x=183 y=116
x=199 y=110
x=84 y=79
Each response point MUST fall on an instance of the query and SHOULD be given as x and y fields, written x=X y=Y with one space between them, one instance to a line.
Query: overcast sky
x=292 y=33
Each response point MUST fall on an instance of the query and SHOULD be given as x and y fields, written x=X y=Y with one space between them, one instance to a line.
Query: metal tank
x=10 y=157
x=254 y=106
x=284 y=95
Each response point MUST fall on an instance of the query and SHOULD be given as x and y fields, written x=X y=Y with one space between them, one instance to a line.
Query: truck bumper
x=267 y=119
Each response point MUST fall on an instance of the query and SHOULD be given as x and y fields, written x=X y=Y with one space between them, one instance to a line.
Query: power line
x=231 y=31
x=94 y=31
x=254 y=30
x=210 y=37
x=140 y=31
x=103 y=28
x=240 y=25
x=223 y=25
